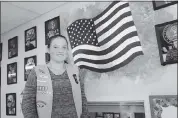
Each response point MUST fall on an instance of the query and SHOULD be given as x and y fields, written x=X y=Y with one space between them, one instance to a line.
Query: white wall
x=142 y=77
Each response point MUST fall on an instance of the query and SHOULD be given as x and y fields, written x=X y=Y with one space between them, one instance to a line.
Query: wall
x=144 y=76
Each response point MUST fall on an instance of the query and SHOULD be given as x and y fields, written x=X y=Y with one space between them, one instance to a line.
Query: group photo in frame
x=167 y=38
x=163 y=106
x=29 y=64
x=11 y=104
x=12 y=73
x=30 y=38
x=162 y=4
x=13 y=47
x=52 y=28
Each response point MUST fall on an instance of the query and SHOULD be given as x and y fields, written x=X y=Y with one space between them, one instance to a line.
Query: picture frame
x=108 y=115
x=11 y=104
x=167 y=39
x=161 y=105
x=13 y=47
x=52 y=28
x=30 y=38
x=47 y=58
x=162 y=4
x=12 y=73
x=0 y=51
x=29 y=64
x=117 y=115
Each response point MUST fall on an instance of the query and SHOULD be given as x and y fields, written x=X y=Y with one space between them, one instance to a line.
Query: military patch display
x=167 y=37
x=52 y=29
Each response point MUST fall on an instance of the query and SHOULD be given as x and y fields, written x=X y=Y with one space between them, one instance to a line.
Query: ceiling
x=14 y=14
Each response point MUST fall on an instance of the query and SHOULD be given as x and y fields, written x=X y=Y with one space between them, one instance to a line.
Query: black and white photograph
x=13 y=47
x=116 y=115
x=162 y=4
x=30 y=39
x=52 y=28
x=12 y=73
x=11 y=104
x=29 y=64
x=47 y=57
x=1 y=51
x=163 y=106
x=167 y=39
x=108 y=115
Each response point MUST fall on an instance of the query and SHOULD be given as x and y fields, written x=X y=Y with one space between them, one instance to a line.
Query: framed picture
x=116 y=115
x=29 y=63
x=108 y=115
x=13 y=47
x=163 y=106
x=52 y=28
x=11 y=104
x=139 y=115
x=47 y=57
x=167 y=39
x=12 y=73
x=0 y=51
x=30 y=39
x=163 y=3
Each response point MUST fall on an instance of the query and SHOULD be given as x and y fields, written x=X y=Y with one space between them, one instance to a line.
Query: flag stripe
x=111 y=15
x=107 y=9
x=115 y=62
x=117 y=22
x=106 y=56
x=116 y=35
x=132 y=35
x=111 y=19
x=123 y=42
x=105 y=61
x=120 y=31
x=108 y=12
x=116 y=66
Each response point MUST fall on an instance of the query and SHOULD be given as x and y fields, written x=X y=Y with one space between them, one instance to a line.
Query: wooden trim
x=122 y=103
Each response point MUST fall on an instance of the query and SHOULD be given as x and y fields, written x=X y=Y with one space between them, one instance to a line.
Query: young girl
x=55 y=90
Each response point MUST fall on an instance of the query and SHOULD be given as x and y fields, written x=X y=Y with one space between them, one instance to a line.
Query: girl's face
x=58 y=50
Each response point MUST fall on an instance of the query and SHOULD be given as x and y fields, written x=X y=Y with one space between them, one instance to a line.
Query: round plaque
x=170 y=33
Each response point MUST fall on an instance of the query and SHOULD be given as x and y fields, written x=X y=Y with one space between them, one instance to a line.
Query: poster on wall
x=30 y=39
x=12 y=73
x=52 y=28
x=13 y=47
x=162 y=3
x=0 y=51
x=11 y=104
x=167 y=38
x=163 y=106
x=47 y=57
x=29 y=63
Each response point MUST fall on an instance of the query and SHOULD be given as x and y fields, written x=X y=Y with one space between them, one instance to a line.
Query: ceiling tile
x=12 y=16
x=38 y=7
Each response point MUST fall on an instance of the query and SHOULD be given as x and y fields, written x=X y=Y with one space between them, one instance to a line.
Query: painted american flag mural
x=106 y=42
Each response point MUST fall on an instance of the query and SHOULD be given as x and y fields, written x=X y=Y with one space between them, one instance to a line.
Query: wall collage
x=166 y=34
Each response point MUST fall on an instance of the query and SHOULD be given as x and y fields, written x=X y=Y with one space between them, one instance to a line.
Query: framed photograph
x=139 y=115
x=29 y=64
x=116 y=115
x=167 y=38
x=0 y=51
x=163 y=3
x=47 y=57
x=11 y=104
x=13 y=47
x=108 y=115
x=12 y=73
x=52 y=28
x=30 y=39
x=163 y=106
